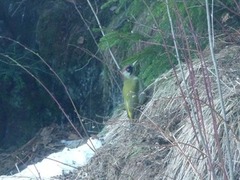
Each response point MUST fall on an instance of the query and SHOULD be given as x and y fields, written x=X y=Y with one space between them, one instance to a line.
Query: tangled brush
x=187 y=108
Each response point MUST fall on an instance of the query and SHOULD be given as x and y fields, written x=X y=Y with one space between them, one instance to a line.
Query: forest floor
x=129 y=150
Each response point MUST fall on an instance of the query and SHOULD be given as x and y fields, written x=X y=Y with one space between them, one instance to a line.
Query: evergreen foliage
x=148 y=39
x=122 y=39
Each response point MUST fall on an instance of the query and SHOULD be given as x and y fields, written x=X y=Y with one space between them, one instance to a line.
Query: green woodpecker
x=131 y=91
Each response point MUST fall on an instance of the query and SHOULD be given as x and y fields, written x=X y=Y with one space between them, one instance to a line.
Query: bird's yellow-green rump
x=130 y=94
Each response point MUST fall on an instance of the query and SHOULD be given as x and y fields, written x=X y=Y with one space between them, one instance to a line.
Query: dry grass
x=164 y=144
x=188 y=158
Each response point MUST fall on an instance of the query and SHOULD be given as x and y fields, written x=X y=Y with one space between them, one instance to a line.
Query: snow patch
x=58 y=163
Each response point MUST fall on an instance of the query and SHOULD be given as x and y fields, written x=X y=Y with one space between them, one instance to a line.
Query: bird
x=132 y=88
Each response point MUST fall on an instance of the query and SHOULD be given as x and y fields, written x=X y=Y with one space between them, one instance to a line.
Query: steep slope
x=164 y=144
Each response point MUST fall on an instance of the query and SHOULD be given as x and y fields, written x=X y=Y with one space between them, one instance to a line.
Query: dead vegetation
x=174 y=140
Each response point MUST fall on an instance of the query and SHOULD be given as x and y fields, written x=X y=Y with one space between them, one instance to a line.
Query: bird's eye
x=129 y=69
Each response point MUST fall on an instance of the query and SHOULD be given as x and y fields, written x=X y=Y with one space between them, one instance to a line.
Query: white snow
x=58 y=163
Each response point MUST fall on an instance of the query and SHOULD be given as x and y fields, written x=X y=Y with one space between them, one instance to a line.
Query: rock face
x=56 y=31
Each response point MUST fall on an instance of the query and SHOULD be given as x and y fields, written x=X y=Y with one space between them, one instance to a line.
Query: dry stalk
x=211 y=43
x=101 y=29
